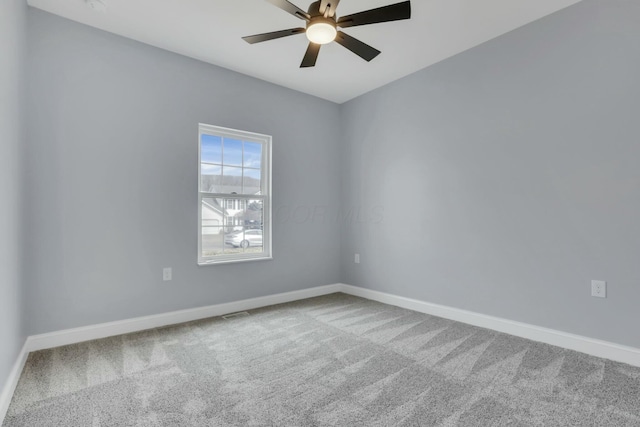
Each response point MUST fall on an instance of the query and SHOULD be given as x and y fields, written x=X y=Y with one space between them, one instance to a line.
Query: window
x=234 y=219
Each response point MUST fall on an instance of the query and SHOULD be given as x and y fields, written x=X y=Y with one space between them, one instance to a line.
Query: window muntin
x=235 y=196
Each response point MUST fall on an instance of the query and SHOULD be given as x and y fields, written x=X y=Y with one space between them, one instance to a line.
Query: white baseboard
x=567 y=340
x=594 y=347
x=103 y=330
x=12 y=382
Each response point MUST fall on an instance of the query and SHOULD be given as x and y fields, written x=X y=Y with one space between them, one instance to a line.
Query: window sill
x=233 y=261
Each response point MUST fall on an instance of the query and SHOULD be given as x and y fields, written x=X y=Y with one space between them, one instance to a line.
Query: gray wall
x=112 y=182
x=508 y=176
x=501 y=180
x=12 y=51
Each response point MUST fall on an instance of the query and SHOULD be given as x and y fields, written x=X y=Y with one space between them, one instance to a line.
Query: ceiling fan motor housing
x=314 y=9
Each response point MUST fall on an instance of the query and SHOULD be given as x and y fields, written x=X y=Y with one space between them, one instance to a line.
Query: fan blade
x=394 y=12
x=291 y=8
x=311 y=56
x=274 y=35
x=361 y=49
x=331 y=5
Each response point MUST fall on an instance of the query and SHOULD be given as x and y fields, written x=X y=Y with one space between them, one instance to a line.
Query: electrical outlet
x=166 y=274
x=599 y=288
x=356 y=259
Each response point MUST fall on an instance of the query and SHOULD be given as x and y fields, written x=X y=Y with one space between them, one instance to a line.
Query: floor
x=335 y=360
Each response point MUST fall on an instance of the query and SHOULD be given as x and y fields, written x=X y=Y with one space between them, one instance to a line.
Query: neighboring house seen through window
x=234 y=219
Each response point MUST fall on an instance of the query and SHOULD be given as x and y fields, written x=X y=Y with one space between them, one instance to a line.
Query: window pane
x=252 y=215
x=212 y=241
x=210 y=178
x=252 y=155
x=211 y=149
x=245 y=235
x=251 y=181
x=231 y=180
x=212 y=227
x=232 y=152
x=243 y=241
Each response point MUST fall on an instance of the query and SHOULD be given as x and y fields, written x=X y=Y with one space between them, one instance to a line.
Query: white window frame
x=265 y=196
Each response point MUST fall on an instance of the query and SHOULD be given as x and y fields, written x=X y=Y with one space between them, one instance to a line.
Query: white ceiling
x=211 y=31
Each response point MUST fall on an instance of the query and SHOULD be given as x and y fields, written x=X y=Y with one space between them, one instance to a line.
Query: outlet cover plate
x=599 y=288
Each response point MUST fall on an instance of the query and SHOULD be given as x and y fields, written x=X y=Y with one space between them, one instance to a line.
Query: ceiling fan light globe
x=321 y=33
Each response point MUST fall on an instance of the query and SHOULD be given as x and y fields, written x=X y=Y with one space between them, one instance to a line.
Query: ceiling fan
x=322 y=27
